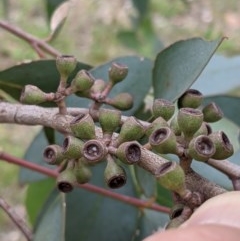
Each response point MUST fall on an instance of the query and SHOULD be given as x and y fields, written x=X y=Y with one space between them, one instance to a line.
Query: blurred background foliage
x=96 y=31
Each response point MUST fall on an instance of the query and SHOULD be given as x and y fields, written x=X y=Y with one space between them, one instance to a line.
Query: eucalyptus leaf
x=51 y=222
x=42 y=73
x=37 y=193
x=221 y=75
x=178 y=66
x=58 y=18
x=51 y=6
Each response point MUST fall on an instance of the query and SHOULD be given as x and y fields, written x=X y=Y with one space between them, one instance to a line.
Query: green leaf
x=164 y=196
x=146 y=182
x=51 y=5
x=137 y=83
x=178 y=66
x=49 y=134
x=51 y=223
x=58 y=19
x=94 y=217
x=42 y=73
x=230 y=106
x=36 y=196
x=219 y=76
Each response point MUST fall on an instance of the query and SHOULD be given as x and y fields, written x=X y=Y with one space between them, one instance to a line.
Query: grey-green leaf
x=51 y=222
x=178 y=66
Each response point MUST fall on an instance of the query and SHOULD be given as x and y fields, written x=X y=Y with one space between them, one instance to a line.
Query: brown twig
x=52 y=173
x=19 y=222
x=38 y=45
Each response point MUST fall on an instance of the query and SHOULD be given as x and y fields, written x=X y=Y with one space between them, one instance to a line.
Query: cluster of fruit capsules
x=83 y=147
x=187 y=131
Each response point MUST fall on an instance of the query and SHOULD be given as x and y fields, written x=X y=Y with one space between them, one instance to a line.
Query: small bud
x=122 y=101
x=114 y=175
x=33 y=95
x=189 y=121
x=163 y=140
x=201 y=148
x=109 y=120
x=171 y=176
x=203 y=130
x=212 y=113
x=191 y=98
x=65 y=65
x=117 y=72
x=83 y=81
x=131 y=130
x=72 y=147
x=82 y=172
x=163 y=108
x=156 y=124
x=53 y=154
x=83 y=127
x=129 y=152
x=94 y=151
x=66 y=180
x=224 y=148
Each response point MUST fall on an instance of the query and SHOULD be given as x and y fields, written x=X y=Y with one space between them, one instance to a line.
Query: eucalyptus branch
x=53 y=173
x=19 y=222
x=49 y=117
x=38 y=45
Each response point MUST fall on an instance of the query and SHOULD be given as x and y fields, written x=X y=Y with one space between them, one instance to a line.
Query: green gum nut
x=171 y=176
x=65 y=65
x=189 y=121
x=191 y=98
x=224 y=148
x=66 y=180
x=82 y=172
x=114 y=175
x=83 y=81
x=129 y=152
x=53 y=154
x=72 y=147
x=204 y=129
x=131 y=130
x=201 y=148
x=83 y=127
x=109 y=120
x=156 y=124
x=94 y=151
x=33 y=95
x=163 y=140
x=163 y=108
x=117 y=72
x=212 y=113
x=122 y=101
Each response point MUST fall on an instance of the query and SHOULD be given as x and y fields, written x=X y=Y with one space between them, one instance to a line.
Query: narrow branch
x=36 y=43
x=52 y=173
x=228 y=168
x=19 y=222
